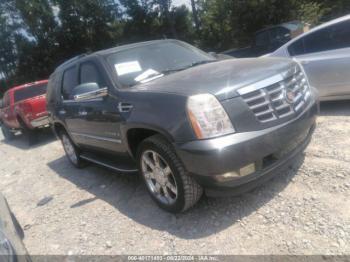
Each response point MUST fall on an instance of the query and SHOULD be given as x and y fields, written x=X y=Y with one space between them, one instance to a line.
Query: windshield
x=145 y=63
x=29 y=92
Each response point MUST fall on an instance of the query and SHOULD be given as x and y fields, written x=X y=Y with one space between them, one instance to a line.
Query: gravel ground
x=63 y=210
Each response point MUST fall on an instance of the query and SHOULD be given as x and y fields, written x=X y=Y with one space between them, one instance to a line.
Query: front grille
x=278 y=97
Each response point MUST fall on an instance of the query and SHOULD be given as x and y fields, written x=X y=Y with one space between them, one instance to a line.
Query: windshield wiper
x=169 y=71
x=155 y=74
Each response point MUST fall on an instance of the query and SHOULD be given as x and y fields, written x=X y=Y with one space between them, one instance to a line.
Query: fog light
x=247 y=170
x=230 y=175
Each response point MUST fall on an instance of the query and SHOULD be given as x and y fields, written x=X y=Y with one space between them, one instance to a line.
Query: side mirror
x=88 y=91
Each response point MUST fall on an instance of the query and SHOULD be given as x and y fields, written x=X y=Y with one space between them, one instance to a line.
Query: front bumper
x=269 y=149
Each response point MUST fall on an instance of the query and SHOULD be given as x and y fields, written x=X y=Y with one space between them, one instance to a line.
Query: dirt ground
x=63 y=210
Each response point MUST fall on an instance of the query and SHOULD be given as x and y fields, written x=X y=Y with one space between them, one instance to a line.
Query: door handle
x=124 y=107
x=82 y=113
x=62 y=112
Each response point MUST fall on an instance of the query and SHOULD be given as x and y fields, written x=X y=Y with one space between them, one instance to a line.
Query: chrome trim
x=261 y=84
x=118 y=141
x=107 y=165
x=69 y=101
x=92 y=95
x=268 y=98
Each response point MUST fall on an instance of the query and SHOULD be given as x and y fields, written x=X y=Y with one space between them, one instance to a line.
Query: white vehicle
x=324 y=53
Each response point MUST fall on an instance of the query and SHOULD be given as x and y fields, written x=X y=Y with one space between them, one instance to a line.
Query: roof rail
x=71 y=60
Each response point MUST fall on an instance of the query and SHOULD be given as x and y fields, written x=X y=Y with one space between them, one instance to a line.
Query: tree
x=195 y=15
x=87 y=25
x=39 y=42
x=8 y=54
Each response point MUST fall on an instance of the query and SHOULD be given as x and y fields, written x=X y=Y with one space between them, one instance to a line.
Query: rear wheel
x=167 y=180
x=30 y=134
x=8 y=135
x=72 y=152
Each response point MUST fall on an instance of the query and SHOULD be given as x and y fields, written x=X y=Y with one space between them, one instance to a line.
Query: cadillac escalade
x=186 y=122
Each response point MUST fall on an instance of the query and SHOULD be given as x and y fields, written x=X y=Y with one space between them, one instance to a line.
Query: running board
x=120 y=168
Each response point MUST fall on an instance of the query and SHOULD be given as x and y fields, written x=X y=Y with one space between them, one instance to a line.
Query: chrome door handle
x=124 y=107
x=62 y=112
x=82 y=113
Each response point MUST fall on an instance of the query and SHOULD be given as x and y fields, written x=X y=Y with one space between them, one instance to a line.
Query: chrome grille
x=277 y=97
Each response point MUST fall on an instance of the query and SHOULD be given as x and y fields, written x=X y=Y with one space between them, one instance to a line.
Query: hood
x=220 y=78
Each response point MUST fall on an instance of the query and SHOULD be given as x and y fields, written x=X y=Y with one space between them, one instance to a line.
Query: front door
x=98 y=125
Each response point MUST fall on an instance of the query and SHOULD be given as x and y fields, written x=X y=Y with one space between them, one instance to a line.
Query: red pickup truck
x=24 y=108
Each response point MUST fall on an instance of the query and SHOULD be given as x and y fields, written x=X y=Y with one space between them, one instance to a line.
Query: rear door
x=325 y=55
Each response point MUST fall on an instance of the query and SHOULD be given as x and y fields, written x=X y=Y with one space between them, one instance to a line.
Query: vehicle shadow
x=20 y=141
x=335 y=108
x=129 y=196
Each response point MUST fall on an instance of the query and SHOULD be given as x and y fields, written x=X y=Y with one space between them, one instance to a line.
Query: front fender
x=163 y=112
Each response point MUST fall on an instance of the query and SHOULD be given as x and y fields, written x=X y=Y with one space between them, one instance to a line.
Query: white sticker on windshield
x=127 y=68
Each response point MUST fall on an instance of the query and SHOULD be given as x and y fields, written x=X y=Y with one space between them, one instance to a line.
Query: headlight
x=208 y=117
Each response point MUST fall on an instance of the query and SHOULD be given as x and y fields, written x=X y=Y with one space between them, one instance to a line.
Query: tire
x=71 y=150
x=169 y=172
x=8 y=135
x=30 y=134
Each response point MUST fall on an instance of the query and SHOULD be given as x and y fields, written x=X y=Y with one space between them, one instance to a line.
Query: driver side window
x=89 y=74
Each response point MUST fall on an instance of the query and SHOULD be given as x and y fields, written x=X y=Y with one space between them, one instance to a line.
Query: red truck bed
x=24 y=106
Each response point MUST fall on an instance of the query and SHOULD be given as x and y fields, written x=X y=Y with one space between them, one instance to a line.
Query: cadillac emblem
x=289 y=96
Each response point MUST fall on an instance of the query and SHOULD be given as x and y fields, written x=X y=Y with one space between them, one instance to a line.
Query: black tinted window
x=330 y=38
x=279 y=35
x=262 y=39
x=340 y=35
x=69 y=81
x=297 y=48
x=89 y=73
x=29 y=92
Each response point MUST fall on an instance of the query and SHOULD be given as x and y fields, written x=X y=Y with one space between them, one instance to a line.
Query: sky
x=181 y=2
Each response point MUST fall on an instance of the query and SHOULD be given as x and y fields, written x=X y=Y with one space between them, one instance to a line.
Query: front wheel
x=8 y=135
x=166 y=178
x=72 y=152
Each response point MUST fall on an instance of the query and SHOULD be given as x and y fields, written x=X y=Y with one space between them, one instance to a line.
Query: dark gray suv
x=184 y=120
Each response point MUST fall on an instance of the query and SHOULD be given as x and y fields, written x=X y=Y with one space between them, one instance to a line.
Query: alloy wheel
x=159 y=177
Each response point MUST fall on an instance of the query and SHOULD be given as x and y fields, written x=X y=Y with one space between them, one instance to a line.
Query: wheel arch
x=58 y=127
x=135 y=135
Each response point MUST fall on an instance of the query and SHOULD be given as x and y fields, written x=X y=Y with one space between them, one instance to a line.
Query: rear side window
x=70 y=80
x=29 y=92
x=333 y=37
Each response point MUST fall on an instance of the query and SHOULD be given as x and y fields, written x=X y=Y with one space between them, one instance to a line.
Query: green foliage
x=311 y=12
x=37 y=35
